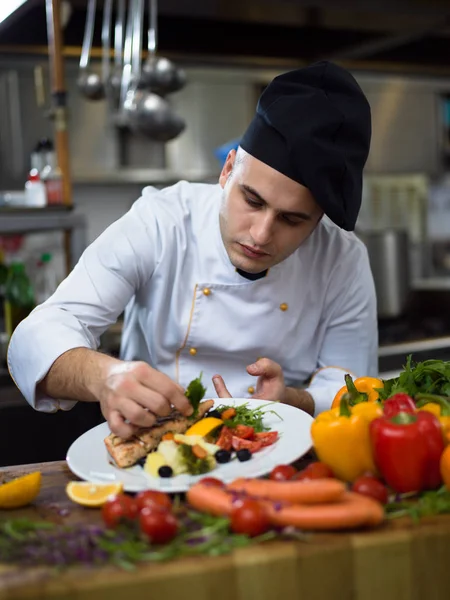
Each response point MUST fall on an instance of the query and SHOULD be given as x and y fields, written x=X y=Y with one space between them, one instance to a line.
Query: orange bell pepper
x=363 y=389
x=439 y=406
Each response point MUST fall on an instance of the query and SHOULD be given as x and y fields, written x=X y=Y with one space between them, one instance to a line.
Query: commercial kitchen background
x=399 y=53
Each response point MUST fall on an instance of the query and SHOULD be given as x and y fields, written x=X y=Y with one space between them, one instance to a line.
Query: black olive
x=215 y=414
x=165 y=471
x=141 y=461
x=244 y=454
x=223 y=456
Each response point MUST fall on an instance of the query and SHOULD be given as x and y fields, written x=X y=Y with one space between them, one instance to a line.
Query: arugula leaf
x=195 y=392
x=429 y=377
x=249 y=416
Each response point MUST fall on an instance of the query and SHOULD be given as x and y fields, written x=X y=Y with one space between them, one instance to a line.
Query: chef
x=256 y=282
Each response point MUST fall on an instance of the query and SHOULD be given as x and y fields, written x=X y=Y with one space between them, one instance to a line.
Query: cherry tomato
x=118 y=508
x=159 y=525
x=315 y=470
x=153 y=498
x=371 y=487
x=249 y=518
x=282 y=473
x=212 y=481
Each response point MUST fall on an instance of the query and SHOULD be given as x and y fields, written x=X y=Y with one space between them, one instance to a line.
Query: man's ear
x=227 y=168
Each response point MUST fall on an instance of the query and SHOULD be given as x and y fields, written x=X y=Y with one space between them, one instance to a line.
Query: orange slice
x=21 y=491
x=87 y=493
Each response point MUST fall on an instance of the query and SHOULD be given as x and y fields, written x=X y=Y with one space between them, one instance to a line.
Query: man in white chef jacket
x=257 y=281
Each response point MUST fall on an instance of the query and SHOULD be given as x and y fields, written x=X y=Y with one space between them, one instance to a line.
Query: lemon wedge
x=204 y=426
x=87 y=493
x=21 y=491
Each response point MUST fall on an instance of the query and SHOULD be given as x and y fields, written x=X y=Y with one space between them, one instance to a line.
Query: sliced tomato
x=225 y=439
x=244 y=432
x=267 y=438
x=239 y=444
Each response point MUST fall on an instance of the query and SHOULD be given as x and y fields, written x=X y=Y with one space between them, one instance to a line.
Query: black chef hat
x=314 y=126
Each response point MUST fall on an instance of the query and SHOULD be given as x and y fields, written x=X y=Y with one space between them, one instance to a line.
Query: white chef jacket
x=188 y=311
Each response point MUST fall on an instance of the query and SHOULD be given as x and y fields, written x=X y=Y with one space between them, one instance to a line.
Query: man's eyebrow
x=257 y=195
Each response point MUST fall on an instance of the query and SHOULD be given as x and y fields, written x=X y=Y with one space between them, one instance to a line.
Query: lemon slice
x=87 y=493
x=21 y=491
x=204 y=426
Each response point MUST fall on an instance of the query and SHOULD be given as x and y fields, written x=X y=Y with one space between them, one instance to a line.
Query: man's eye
x=292 y=220
x=253 y=203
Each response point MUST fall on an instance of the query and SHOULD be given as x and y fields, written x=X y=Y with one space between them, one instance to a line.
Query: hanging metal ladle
x=159 y=74
x=145 y=112
x=115 y=79
x=89 y=83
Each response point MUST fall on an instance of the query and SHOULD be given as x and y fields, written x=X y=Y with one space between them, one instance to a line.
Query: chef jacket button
x=251 y=390
x=193 y=351
x=206 y=292
x=283 y=306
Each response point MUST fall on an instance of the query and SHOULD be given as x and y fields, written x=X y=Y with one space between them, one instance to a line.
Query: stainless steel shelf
x=18 y=220
x=28 y=220
x=432 y=284
x=142 y=176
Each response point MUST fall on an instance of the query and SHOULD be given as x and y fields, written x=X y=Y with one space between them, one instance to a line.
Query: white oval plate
x=88 y=458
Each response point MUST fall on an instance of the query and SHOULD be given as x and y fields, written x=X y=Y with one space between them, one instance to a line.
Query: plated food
x=90 y=459
x=195 y=445
x=127 y=453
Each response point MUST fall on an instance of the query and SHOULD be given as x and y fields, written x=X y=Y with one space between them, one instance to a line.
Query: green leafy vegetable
x=428 y=504
x=249 y=416
x=28 y=543
x=195 y=392
x=194 y=465
x=427 y=377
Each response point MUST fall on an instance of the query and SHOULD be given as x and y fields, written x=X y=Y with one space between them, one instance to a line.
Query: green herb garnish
x=194 y=465
x=195 y=392
x=28 y=543
x=249 y=416
x=428 y=504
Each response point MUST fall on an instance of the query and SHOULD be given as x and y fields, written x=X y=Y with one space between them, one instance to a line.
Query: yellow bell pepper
x=341 y=438
x=439 y=406
x=363 y=389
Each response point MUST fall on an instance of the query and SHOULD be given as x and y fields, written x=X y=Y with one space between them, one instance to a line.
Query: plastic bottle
x=19 y=296
x=3 y=276
x=51 y=176
x=45 y=281
x=35 y=190
x=37 y=157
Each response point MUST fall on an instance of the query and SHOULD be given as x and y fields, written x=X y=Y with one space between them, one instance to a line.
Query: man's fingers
x=135 y=413
x=153 y=379
x=118 y=426
x=265 y=367
x=220 y=387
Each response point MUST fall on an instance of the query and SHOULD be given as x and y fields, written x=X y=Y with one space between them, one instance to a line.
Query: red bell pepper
x=398 y=403
x=407 y=449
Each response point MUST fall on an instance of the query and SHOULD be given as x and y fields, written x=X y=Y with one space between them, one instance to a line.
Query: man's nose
x=262 y=229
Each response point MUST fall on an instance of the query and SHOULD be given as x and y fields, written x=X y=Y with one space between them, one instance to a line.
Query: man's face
x=265 y=216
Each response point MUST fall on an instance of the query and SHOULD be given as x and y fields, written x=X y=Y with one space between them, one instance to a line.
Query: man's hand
x=133 y=394
x=270 y=386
